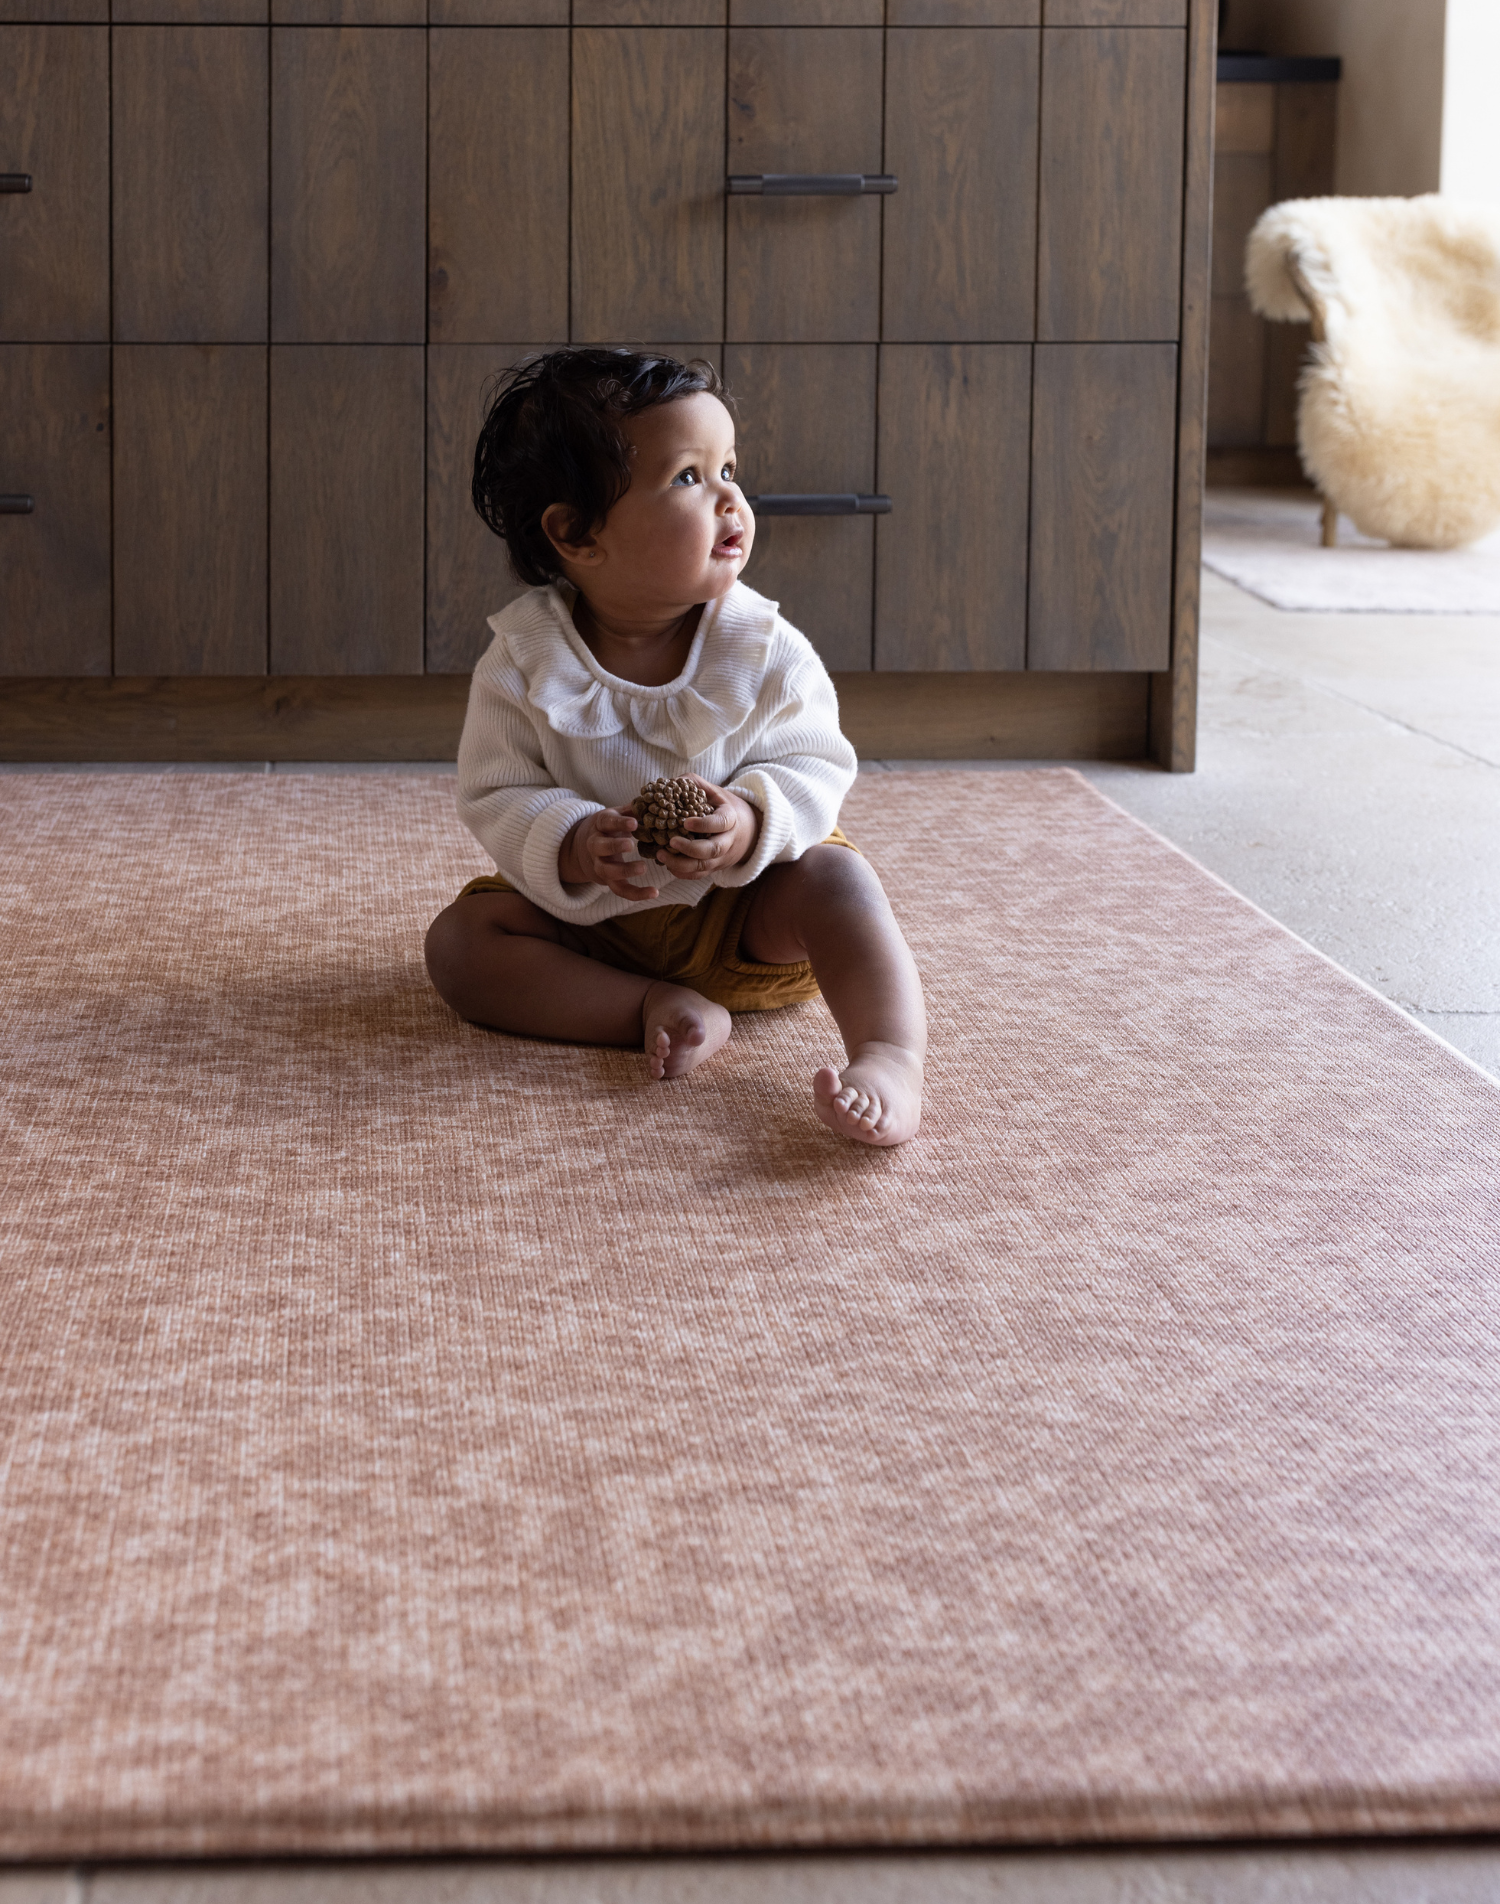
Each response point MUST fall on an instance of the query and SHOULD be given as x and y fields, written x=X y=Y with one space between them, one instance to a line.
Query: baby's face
x=682 y=531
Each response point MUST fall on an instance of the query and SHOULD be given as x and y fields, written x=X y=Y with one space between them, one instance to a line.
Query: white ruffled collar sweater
x=550 y=736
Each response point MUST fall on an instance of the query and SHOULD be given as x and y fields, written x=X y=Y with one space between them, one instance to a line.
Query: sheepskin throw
x=1399 y=421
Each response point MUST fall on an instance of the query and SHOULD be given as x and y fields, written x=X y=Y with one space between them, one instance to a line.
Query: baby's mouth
x=731 y=545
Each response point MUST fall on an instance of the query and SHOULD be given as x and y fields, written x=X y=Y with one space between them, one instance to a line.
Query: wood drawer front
x=468 y=572
x=804 y=269
x=648 y=183
x=951 y=557
x=192 y=12
x=1113 y=104
x=497 y=220
x=809 y=428
x=190 y=509
x=498 y=12
x=54 y=563
x=807 y=12
x=649 y=12
x=60 y=12
x=1102 y=494
x=54 y=239
x=190 y=201
x=964 y=12
x=346 y=508
x=348 y=185
x=1116 y=12
x=960 y=232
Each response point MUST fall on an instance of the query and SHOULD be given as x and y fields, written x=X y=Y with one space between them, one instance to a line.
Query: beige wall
x=1471 y=124
x=1391 y=99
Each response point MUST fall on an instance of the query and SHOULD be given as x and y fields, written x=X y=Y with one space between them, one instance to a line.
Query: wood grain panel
x=76 y=12
x=192 y=12
x=54 y=124
x=648 y=183
x=349 y=12
x=497 y=12
x=1104 y=429
x=1286 y=347
x=964 y=12
x=400 y=717
x=994 y=716
x=1306 y=136
x=1244 y=118
x=960 y=232
x=1116 y=12
x=807 y=425
x=349 y=185
x=1237 y=374
x=1174 y=690
x=1242 y=191
x=1110 y=243
x=806 y=12
x=497 y=244
x=804 y=100
x=950 y=560
x=190 y=508
x=54 y=563
x=190 y=202
x=648 y=12
x=346 y=509
x=468 y=572
x=417 y=718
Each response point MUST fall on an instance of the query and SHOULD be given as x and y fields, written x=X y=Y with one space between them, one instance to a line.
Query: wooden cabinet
x=54 y=452
x=1274 y=137
x=349 y=186
x=809 y=427
x=648 y=177
x=54 y=238
x=804 y=270
x=190 y=199
x=332 y=222
x=962 y=112
x=190 y=509
x=955 y=439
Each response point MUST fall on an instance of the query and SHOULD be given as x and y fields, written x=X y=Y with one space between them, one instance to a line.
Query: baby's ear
x=560 y=526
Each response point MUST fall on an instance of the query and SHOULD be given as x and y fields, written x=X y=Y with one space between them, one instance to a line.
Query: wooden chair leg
x=1330 y=525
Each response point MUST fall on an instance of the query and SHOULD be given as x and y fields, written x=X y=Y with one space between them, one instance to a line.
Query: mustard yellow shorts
x=697 y=946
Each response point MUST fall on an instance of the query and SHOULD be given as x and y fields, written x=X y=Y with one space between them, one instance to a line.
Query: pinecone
x=661 y=808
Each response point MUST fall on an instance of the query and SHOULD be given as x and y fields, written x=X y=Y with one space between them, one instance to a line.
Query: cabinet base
x=418 y=717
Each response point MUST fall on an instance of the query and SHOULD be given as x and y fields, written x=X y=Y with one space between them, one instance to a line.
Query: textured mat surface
x=416 y=1438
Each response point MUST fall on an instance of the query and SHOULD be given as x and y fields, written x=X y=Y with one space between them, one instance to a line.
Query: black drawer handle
x=15 y=181
x=809 y=184
x=17 y=505
x=820 y=505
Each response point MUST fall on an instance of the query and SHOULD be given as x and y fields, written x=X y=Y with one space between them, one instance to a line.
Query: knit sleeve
x=799 y=766
x=507 y=798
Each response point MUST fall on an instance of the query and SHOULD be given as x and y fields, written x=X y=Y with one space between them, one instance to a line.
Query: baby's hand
x=716 y=842
x=601 y=851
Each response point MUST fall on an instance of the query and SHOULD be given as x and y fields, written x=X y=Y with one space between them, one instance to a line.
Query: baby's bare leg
x=830 y=908
x=500 y=961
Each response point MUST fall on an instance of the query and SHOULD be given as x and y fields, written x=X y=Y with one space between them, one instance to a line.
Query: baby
x=638 y=655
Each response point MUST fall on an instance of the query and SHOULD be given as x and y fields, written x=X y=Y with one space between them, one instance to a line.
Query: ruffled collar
x=712 y=698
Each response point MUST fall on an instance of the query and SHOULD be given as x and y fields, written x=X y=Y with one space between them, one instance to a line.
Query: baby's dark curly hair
x=552 y=434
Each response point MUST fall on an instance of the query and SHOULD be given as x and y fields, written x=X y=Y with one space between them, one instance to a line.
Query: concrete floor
x=1349 y=783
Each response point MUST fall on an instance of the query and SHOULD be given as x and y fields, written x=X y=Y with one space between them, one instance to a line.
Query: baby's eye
x=727 y=472
x=686 y=477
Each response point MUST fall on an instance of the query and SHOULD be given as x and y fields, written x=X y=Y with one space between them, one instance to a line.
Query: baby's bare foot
x=682 y=1029
x=876 y=1099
